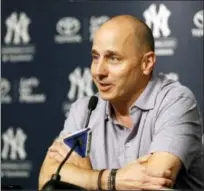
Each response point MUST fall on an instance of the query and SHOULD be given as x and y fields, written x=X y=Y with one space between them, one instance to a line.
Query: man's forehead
x=113 y=31
x=112 y=38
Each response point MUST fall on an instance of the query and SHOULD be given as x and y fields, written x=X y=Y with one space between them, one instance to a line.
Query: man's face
x=116 y=64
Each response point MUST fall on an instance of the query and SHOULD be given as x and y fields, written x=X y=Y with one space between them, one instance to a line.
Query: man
x=146 y=126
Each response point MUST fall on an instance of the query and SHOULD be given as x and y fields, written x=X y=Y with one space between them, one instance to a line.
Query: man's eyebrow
x=107 y=52
x=111 y=52
x=93 y=51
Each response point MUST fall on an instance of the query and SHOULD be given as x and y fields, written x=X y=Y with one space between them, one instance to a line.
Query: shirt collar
x=147 y=99
x=108 y=110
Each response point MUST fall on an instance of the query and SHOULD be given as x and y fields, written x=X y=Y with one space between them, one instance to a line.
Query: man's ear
x=148 y=62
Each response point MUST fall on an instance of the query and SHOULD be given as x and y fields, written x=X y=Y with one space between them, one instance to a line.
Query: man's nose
x=101 y=68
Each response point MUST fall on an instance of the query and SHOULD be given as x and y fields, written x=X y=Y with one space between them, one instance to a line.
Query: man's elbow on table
x=160 y=162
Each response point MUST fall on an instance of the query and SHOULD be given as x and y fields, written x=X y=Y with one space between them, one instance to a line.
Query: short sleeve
x=76 y=117
x=69 y=124
x=178 y=129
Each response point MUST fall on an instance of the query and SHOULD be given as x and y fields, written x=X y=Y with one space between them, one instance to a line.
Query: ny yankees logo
x=17 y=28
x=13 y=143
x=158 y=21
x=82 y=83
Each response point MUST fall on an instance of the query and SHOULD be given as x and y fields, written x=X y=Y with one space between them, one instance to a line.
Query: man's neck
x=120 y=110
x=121 y=107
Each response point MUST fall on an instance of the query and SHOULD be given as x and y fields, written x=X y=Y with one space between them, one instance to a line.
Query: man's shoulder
x=173 y=89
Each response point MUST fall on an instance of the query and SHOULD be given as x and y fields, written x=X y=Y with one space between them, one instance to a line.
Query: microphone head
x=92 y=103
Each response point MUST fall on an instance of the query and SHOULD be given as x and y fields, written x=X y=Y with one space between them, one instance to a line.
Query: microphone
x=54 y=182
x=91 y=106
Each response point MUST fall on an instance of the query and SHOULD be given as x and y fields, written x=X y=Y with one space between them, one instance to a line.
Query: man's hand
x=56 y=153
x=58 y=150
x=136 y=176
x=47 y=170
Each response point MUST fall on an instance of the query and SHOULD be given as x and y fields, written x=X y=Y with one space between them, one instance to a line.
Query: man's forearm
x=88 y=178
x=85 y=178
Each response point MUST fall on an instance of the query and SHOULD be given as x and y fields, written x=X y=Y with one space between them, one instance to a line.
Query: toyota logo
x=68 y=26
x=198 y=19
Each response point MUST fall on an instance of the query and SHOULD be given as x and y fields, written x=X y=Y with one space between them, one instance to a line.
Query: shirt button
x=128 y=144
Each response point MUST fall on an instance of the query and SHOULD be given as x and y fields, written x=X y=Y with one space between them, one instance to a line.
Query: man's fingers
x=51 y=154
x=151 y=187
x=167 y=174
x=160 y=181
x=58 y=158
x=141 y=159
x=58 y=148
x=144 y=158
x=162 y=174
x=52 y=148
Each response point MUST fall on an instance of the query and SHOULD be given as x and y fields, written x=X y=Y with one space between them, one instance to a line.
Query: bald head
x=135 y=28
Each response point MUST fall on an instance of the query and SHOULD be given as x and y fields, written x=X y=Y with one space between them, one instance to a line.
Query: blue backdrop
x=45 y=66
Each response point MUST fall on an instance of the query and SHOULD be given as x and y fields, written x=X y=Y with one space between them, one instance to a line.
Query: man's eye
x=114 y=58
x=95 y=57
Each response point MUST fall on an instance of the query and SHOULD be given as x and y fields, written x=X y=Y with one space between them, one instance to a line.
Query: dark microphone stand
x=54 y=182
